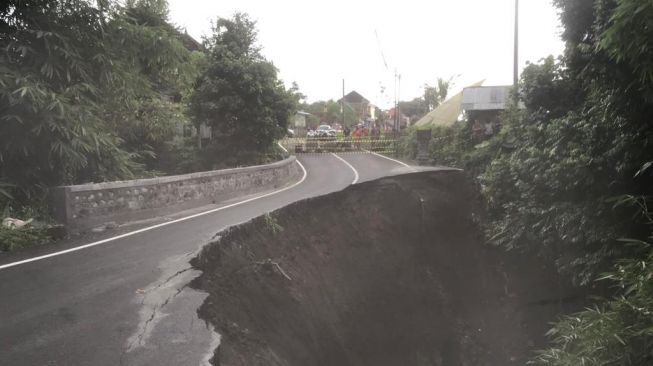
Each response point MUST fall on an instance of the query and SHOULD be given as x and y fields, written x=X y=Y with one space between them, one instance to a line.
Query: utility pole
x=397 y=97
x=394 y=122
x=515 y=74
x=342 y=104
x=396 y=116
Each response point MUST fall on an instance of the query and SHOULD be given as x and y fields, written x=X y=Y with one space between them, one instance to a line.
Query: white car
x=325 y=131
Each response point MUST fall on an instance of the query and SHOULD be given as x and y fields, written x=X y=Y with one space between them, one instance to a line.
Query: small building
x=299 y=123
x=358 y=103
x=485 y=103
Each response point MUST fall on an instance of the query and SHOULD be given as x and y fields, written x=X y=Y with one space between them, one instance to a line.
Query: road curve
x=104 y=305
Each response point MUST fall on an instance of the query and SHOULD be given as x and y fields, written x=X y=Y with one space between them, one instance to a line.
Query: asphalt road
x=124 y=302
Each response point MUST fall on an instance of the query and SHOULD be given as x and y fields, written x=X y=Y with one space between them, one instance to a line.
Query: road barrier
x=86 y=206
x=318 y=145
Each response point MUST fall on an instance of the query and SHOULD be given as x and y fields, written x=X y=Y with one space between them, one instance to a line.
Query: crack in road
x=177 y=273
x=174 y=275
x=155 y=338
x=154 y=301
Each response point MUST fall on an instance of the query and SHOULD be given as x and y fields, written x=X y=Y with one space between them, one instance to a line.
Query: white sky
x=317 y=44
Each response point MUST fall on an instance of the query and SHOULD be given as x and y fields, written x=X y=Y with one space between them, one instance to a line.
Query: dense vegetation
x=570 y=176
x=97 y=91
x=83 y=91
x=239 y=94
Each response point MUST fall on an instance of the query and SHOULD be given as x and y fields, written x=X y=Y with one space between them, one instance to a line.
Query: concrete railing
x=82 y=207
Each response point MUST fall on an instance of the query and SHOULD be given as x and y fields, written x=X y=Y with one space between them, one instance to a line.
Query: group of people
x=482 y=131
x=361 y=131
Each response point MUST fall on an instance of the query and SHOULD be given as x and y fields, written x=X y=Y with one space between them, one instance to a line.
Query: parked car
x=325 y=131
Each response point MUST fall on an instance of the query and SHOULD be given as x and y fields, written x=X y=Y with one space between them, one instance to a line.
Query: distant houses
x=361 y=106
x=389 y=123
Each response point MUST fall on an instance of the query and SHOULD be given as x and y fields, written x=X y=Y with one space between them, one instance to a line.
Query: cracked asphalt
x=125 y=302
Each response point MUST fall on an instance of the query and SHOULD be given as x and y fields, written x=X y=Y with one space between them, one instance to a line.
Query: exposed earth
x=387 y=272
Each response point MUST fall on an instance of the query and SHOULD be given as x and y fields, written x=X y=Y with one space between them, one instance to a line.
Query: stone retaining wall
x=83 y=207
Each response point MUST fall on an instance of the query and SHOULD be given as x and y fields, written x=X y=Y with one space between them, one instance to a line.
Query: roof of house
x=188 y=41
x=484 y=98
x=446 y=113
x=354 y=97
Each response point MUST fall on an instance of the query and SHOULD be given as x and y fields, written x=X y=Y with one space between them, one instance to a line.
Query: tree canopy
x=434 y=95
x=87 y=93
x=239 y=94
x=329 y=112
x=580 y=142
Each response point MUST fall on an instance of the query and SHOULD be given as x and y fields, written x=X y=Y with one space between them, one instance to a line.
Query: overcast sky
x=318 y=43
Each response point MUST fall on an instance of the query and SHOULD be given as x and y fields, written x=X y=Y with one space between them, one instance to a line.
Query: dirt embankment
x=389 y=272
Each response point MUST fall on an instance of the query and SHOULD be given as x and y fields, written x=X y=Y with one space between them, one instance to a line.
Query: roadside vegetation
x=239 y=95
x=570 y=176
x=108 y=90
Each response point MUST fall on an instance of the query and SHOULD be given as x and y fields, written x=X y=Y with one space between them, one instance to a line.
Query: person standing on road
x=358 y=132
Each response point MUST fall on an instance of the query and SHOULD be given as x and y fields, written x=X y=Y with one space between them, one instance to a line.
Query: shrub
x=618 y=331
x=13 y=239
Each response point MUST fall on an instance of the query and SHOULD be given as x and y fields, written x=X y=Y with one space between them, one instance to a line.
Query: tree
x=435 y=95
x=330 y=112
x=547 y=88
x=414 y=109
x=580 y=141
x=153 y=74
x=608 y=56
x=158 y=8
x=239 y=94
x=52 y=71
x=86 y=92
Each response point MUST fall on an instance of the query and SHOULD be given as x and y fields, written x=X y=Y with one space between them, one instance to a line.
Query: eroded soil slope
x=389 y=272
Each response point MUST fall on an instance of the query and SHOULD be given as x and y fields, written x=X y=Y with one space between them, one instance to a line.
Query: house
x=485 y=103
x=189 y=42
x=359 y=104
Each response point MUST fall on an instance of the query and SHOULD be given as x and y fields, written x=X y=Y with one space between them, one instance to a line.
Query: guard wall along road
x=82 y=207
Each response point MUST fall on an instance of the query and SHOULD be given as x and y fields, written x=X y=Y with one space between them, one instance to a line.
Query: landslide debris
x=388 y=272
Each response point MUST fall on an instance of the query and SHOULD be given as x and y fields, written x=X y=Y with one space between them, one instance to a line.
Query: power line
x=378 y=43
x=515 y=72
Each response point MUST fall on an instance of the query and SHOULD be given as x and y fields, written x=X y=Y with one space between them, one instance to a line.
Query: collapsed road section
x=388 y=272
